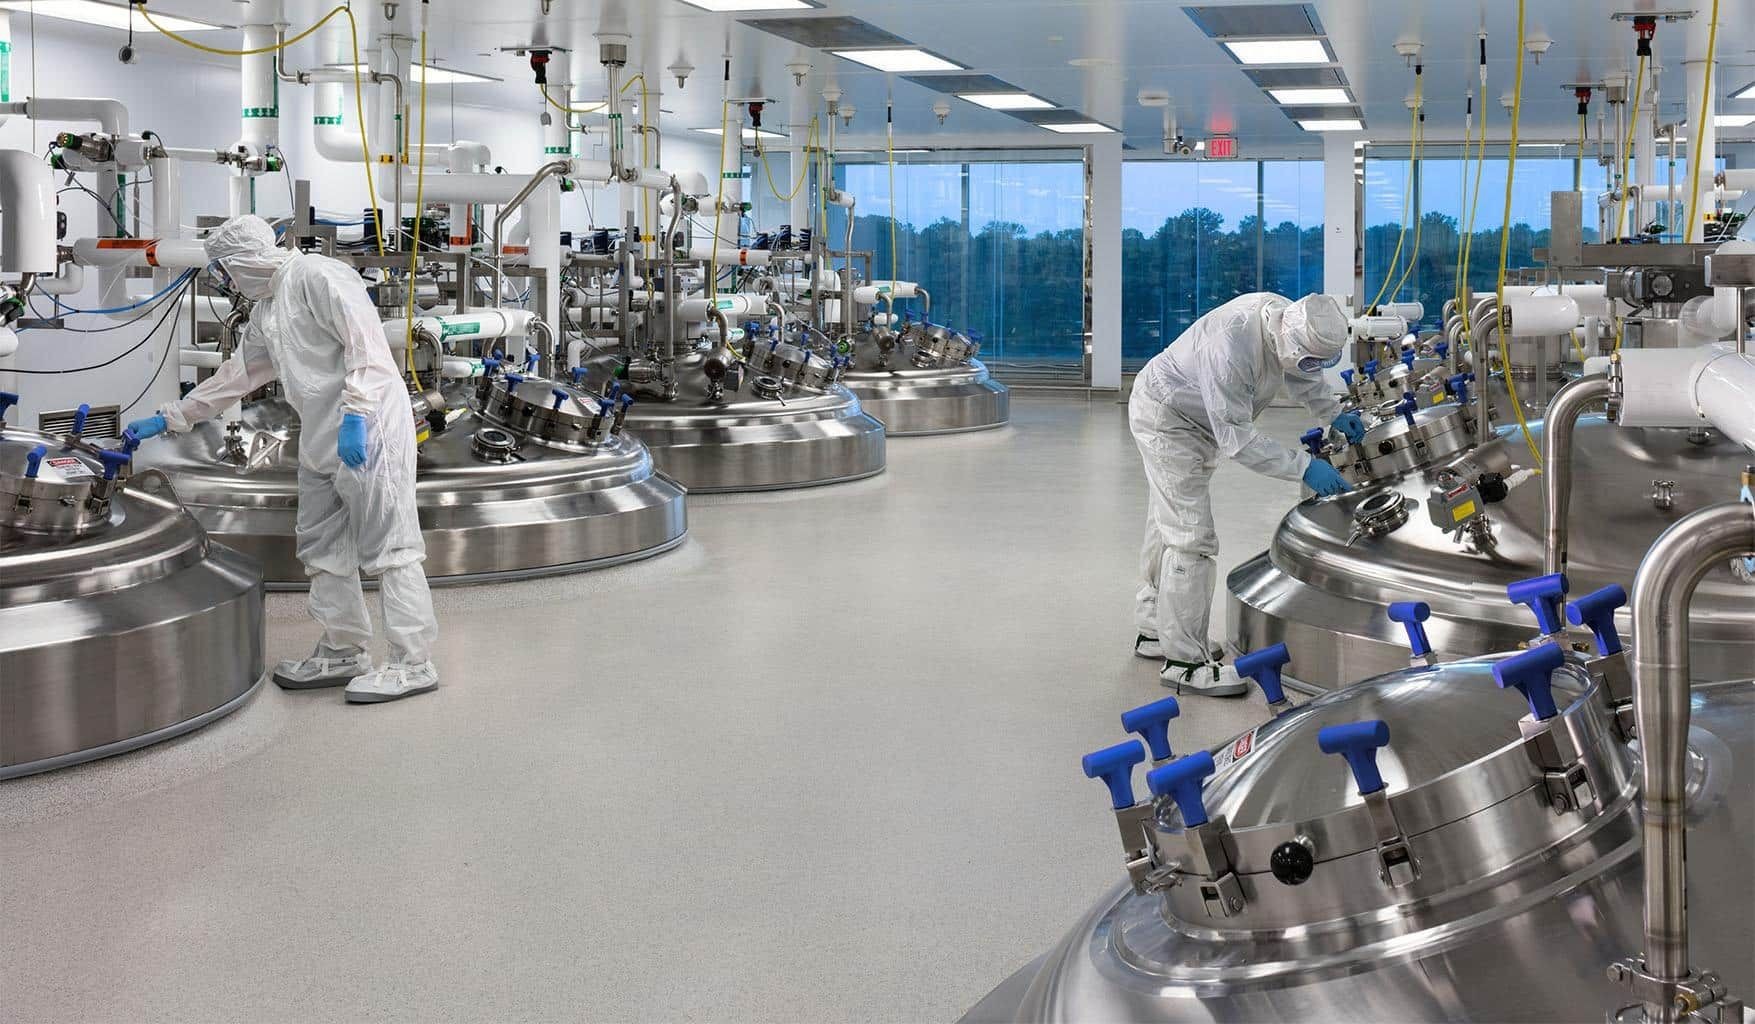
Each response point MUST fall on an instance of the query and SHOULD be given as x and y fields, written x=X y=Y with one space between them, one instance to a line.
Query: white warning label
x=69 y=467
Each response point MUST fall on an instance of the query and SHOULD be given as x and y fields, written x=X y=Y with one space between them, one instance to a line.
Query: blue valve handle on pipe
x=34 y=461
x=1264 y=667
x=578 y=375
x=1313 y=440
x=1371 y=366
x=1152 y=723
x=604 y=405
x=513 y=380
x=1442 y=348
x=114 y=461
x=1347 y=377
x=1532 y=673
x=1181 y=780
x=1411 y=614
x=1596 y=611
x=626 y=400
x=1544 y=595
x=489 y=365
x=1458 y=387
x=1358 y=743
x=1407 y=407
x=560 y=397
x=1114 y=765
x=1408 y=358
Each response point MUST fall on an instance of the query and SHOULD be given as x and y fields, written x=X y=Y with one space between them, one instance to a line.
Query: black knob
x=1492 y=487
x=1292 y=863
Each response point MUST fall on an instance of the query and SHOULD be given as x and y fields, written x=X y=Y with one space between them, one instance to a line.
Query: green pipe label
x=462 y=327
x=5 y=71
x=326 y=119
x=261 y=111
x=550 y=150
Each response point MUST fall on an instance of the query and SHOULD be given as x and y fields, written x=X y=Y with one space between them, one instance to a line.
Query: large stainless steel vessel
x=534 y=477
x=1492 y=874
x=774 y=431
x=925 y=380
x=1334 y=564
x=121 y=622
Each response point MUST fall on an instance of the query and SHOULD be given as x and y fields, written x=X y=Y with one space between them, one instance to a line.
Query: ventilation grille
x=101 y=421
x=1297 y=78
x=962 y=83
x=827 y=33
x=1257 y=21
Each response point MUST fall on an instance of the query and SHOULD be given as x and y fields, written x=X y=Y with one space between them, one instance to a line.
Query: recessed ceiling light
x=107 y=15
x=1733 y=120
x=1079 y=128
x=1279 y=51
x=433 y=75
x=900 y=61
x=1310 y=97
x=749 y=134
x=1746 y=93
x=720 y=6
x=1006 y=100
x=1340 y=124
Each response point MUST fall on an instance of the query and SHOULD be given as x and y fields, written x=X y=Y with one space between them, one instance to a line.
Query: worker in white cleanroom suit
x=314 y=327
x=1197 y=402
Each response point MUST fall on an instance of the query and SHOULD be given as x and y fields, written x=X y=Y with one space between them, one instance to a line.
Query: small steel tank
x=925 y=380
x=121 y=622
x=528 y=477
x=1456 y=842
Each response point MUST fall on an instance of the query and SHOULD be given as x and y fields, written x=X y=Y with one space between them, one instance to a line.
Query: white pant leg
x=326 y=548
x=409 y=622
x=380 y=497
x=1142 y=413
x=1179 y=464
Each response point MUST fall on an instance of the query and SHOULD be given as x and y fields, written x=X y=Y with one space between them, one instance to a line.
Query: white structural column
x=1104 y=198
x=1339 y=197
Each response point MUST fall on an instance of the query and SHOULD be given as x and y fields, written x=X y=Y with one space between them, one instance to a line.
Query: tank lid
x=549 y=411
x=48 y=487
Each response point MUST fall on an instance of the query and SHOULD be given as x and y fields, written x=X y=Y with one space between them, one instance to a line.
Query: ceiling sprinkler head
x=798 y=69
x=1409 y=49
x=681 y=71
x=942 y=109
x=1508 y=100
x=1537 y=44
x=546 y=119
x=847 y=115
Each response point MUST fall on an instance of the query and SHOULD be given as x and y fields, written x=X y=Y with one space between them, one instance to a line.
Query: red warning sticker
x=1237 y=751
x=69 y=467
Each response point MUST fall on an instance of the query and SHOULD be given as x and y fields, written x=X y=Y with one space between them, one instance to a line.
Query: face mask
x=1311 y=364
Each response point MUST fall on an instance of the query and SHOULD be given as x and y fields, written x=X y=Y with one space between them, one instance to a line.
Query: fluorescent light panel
x=1310 y=97
x=435 y=75
x=1344 y=124
x=106 y=15
x=749 y=134
x=902 y=60
x=1080 y=128
x=1278 y=51
x=721 y=6
x=1746 y=93
x=1006 y=100
x=1733 y=120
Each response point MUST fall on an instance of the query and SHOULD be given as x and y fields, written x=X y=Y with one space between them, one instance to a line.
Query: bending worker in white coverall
x=1195 y=402
x=314 y=327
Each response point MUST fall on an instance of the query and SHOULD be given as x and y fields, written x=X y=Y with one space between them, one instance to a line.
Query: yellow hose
x=571 y=110
x=420 y=181
x=353 y=32
x=1505 y=248
x=1627 y=153
x=1700 y=127
x=1420 y=222
x=719 y=202
x=809 y=147
x=1407 y=198
x=1468 y=333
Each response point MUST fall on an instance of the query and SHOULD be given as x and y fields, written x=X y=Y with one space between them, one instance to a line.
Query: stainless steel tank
x=521 y=481
x=784 y=424
x=121 y=622
x=1424 y=845
x=1409 y=534
x=925 y=380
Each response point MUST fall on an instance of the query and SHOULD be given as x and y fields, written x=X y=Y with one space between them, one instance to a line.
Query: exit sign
x=1221 y=147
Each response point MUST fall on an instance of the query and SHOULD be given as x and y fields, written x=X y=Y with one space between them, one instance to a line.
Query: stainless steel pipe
x=553 y=168
x=1662 y=592
x=1562 y=417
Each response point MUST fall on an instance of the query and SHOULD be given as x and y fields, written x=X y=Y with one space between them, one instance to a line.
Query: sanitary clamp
x=1700 y=997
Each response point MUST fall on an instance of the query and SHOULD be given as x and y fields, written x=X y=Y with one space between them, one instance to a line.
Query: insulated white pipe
x=874 y=292
x=1409 y=311
x=260 y=92
x=206 y=358
x=474 y=325
x=167 y=207
x=557 y=141
x=1712 y=386
x=180 y=253
x=1592 y=299
x=734 y=304
x=1705 y=134
x=728 y=257
x=27 y=214
x=1535 y=316
x=70 y=280
x=5 y=60
x=110 y=115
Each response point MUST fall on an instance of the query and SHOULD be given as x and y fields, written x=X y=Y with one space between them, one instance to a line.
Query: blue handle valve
x=1408 y=358
x=560 y=397
x=1347 y=377
x=1458 y=387
x=1358 y=743
x=1442 y=349
x=1411 y=614
x=1114 y=765
x=1371 y=366
x=8 y=399
x=1596 y=612
x=530 y=360
x=625 y=399
x=1152 y=723
x=1544 y=595
x=1406 y=408
x=578 y=375
x=130 y=441
x=1531 y=672
x=1313 y=440
x=604 y=405
x=33 y=461
x=513 y=380
x=1181 y=781
x=1264 y=667
x=79 y=419
x=114 y=461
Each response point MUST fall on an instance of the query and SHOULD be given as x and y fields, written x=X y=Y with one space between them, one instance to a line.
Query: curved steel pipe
x=1662 y=591
x=554 y=168
x=1562 y=416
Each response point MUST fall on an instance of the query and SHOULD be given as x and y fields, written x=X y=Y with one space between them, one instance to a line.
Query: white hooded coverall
x=1197 y=401
x=314 y=327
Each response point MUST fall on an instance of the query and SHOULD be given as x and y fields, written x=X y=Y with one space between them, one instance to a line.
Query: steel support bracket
x=1396 y=865
x=1553 y=752
x=1213 y=856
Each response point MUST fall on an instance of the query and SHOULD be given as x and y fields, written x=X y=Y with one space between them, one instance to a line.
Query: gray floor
x=818 y=764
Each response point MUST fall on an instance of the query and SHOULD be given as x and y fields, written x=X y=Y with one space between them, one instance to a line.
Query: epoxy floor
x=818 y=764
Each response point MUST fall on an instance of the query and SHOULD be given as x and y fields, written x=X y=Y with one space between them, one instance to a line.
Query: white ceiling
x=1123 y=46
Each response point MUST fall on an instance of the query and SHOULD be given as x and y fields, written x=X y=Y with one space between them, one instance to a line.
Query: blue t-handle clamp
x=1457 y=386
x=1264 y=667
x=33 y=461
x=1531 y=672
x=1408 y=358
x=530 y=359
x=1596 y=611
x=1371 y=366
x=1544 y=595
x=1152 y=723
x=114 y=461
x=1358 y=743
x=1441 y=349
x=1313 y=441
x=1114 y=765
x=578 y=375
x=1411 y=614
x=560 y=397
x=1347 y=377
x=1181 y=781
x=513 y=380
x=8 y=399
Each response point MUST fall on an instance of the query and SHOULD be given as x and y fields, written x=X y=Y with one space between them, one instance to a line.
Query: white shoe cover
x=1148 y=647
x=393 y=682
x=325 y=667
x=1211 y=680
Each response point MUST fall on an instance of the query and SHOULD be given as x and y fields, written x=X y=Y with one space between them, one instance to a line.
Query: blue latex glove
x=1351 y=425
x=350 y=444
x=1324 y=479
x=151 y=426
